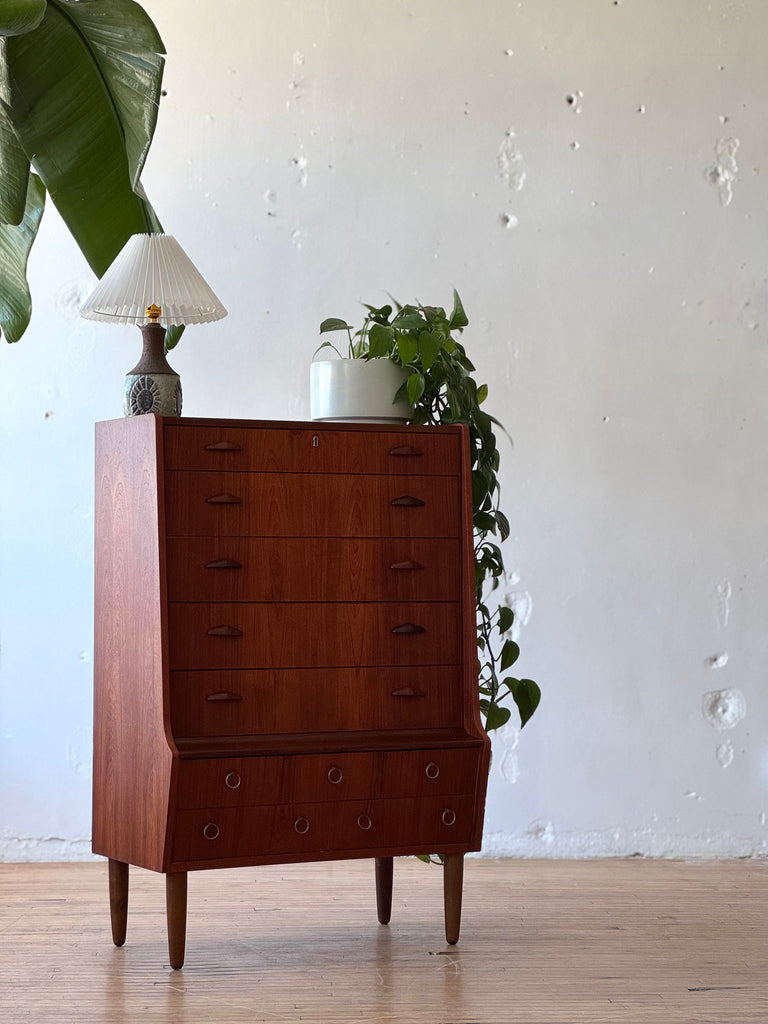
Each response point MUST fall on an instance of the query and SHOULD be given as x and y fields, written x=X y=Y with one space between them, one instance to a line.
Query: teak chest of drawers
x=285 y=660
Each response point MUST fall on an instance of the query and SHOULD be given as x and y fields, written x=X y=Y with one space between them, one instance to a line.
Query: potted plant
x=79 y=91
x=360 y=388
x=439 y=386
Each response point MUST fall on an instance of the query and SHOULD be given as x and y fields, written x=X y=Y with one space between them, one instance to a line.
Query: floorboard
x=543 y=942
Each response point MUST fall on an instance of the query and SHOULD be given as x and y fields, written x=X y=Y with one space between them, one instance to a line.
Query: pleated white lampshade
x=153 y=270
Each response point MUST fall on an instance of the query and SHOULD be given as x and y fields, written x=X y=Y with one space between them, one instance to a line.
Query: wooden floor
x=543 y=942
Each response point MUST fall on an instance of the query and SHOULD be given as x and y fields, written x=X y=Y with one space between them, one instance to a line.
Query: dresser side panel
x=132 y=756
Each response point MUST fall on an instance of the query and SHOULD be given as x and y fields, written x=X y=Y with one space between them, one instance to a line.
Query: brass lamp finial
x=153 y=312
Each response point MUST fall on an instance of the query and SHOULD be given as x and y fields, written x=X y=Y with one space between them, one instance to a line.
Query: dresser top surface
x=313 y=425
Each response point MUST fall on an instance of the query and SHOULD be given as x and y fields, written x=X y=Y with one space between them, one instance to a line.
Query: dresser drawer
x=268 y=701
x=311 y=569
x=311 y=449
x=319 y=778
x=310 y=505
x=342 y=826
x=300 y=635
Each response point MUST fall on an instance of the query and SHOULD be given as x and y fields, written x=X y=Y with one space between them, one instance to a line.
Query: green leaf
x=81 y=92
x=20 y=16
x=408 y=321
x=506 y=618
x=510 y=652
x=416 y=384
x=15 y=243
x=334 y=324
x=429 y=347
x=484 y=522
x=407 y=349
x=14 y=173
x=380 y=341
x=173 y=336
x=482 y=393
x=527 y=695
x=458 y=316
x=503 y=524
x=496 y=716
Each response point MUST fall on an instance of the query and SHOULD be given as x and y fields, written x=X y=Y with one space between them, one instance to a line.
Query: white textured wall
x=611 y=253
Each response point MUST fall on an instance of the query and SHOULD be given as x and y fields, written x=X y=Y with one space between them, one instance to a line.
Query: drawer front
x=321 y=778
x=268 y=701
x=311 y=450
x=296 y=829
x=310 y=505
x=231 y=782
x=300 y=635
x=311 y=569
x=390 y=774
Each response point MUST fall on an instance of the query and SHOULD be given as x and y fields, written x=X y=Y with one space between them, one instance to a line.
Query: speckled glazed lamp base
x=152 y=386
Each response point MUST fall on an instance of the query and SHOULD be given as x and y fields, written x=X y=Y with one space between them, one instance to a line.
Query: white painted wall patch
x=724 y=709
x=723 y=172
x=510 y=161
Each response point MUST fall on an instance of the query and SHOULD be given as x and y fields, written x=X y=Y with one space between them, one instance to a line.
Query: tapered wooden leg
x=384 y=870
x=118 y=900
x=453 y=881
x=176 y=913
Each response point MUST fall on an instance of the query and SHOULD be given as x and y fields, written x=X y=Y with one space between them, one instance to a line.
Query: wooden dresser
x=285 y=658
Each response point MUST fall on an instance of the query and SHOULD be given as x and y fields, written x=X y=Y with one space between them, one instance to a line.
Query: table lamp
x=153 y=283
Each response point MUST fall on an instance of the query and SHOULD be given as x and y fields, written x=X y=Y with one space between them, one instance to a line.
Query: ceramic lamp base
x=152 y=386
x=158 y=392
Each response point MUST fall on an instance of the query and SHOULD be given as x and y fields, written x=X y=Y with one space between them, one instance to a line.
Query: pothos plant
x=441 y=388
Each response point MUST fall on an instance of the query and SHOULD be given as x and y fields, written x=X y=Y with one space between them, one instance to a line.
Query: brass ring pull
x=448 y=817
x=364 y=822
x=335 y=775
x=211 y=830
x=301 y=825
x=432 y=770
x=232 y=780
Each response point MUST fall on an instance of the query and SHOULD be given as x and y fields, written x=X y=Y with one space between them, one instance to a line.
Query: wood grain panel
x=312 y=778
x=306 y=505
x=311 y=569
x=315 y=700
x=301 y=635
x=312 y=448
x=339 y=825
x=132 y=754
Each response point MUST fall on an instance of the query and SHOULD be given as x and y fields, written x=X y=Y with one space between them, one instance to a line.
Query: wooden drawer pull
x=232 y=780
x=405 y=449
x=224 y=499
x=224 y=697
x=408 y=691
x=364 y=822
x=432 y=770
x=335 y=775
x=224 y=563
x=404 y=501
x=408 y=627
x=211 y=830
x=448 y=817
x=301 y=825
x=223 y=446
x=406 y=566
x=224 y=631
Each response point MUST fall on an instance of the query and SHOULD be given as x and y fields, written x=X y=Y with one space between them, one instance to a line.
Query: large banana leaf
x=78 y=99
x=15 y=242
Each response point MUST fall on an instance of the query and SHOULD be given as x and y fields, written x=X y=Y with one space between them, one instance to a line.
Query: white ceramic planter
x=357 y=391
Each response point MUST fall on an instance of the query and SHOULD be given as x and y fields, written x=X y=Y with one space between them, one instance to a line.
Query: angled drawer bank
x=285 y=661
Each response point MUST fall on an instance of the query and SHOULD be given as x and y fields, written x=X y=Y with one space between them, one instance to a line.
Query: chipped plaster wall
x=591 y=175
